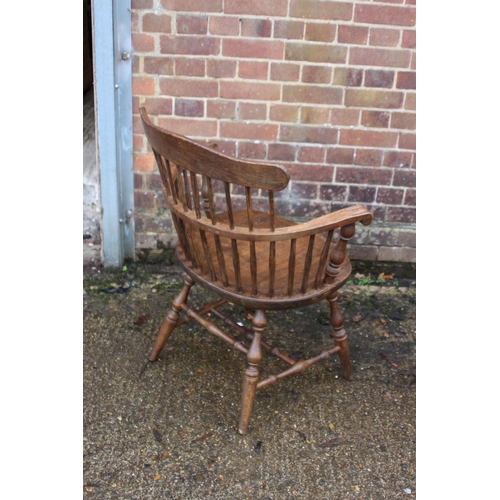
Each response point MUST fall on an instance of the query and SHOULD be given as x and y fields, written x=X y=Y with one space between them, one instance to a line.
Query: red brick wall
x=327 y=88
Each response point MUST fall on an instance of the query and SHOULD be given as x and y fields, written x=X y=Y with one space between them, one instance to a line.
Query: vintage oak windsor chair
x=247 y=257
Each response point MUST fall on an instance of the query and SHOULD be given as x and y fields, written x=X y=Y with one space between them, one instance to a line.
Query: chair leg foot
x=251 y=376
x=339 y=336
x=170 y=321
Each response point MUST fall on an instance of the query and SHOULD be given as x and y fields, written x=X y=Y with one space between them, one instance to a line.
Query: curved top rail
x=205 y=161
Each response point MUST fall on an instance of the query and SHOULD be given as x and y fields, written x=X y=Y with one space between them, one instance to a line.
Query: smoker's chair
x=245 y=256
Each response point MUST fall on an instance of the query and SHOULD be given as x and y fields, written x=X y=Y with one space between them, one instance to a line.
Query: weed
x=365 y=281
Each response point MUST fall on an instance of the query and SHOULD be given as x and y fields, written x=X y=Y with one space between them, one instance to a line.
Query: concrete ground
x=171 y=432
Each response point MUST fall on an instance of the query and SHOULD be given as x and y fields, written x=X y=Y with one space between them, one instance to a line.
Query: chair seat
x=281 y=298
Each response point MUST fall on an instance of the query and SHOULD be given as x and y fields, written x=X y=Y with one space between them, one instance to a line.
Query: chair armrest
x=343 y=217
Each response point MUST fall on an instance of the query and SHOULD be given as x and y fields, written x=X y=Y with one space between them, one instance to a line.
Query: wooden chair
x=245 y=256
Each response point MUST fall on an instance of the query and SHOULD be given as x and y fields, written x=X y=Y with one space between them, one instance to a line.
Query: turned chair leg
x=339 y=336
x=170 y=321
x=251 y=376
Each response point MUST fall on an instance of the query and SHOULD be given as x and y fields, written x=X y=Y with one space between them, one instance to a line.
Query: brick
x=142 y=4
x=382 y=37
x=138 y=180
x=283 y=113
x=158 y=105
x=193 y=5
x=253 y=70
x=189 y=66
x=407 y=239
x=221 y=68
x=285 y=72
x=316 y=74
x=400 y=214
x=383 y=237
x=349 y=137
x=364 y=175
x=348 y=77
x=248 y=48
x=190 y=127
x=320 y=32
x=304 y=191
x=136 y=63
x=407 y=178
x=407 y=141
x=300 y=51
x=368 y=56
x=406 y=80
x=135 y=104
x=143 y=85
x=153 y=182
x=138 y=143
x=379 y=78
x=143 y=43
x=328 y=192
x=251 y=151
x=252 y=111
x=159 y=65
x=145 y=240
x=192 y=45
x=307 y=154
x=384 y=14
x=315 y=114
x=312 y=94
x=185 y=87
x=134 y=25
x=362 y=252
x=154 y=23
x=361 y=194
x=260 y=28
x=221 y=109
x=248 y=90
x=224 y=26
x=413 y=64
x=308 y=172
x=256 y=7
x=409 y=40
x=342 y=156
x=144 y=163
x=295 y=133
x=373 y=99
x=317 y=9
x=411 y=101
x=249 y=131
x=189 y=107
x=404 y=121
x=397 y=159
x=411 y=197
x=284 y=152
x=377 y=119
x=288 y=29
x=353 y=34
x=192 y=25
x=389 y=196
x=344 y=116
x=368 y=157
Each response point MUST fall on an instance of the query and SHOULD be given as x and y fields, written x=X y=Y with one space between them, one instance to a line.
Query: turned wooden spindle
x=250 y=379
x=338 y=254
x=339 y=336
x=170 y=321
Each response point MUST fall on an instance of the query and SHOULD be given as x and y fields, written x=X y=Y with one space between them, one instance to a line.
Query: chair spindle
x=338 y=254
x=220 y=259
x=236 y=265
x=181 y=190
x=253 y=268
x=272 y=267
x=322 y=261
x=291 y=266
x=307 y=265
x=211 y=201
x=271 y=211
x=229 y=204
x=249 y=208
x=208 y=258
x=196 y=198
x=170 y=181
